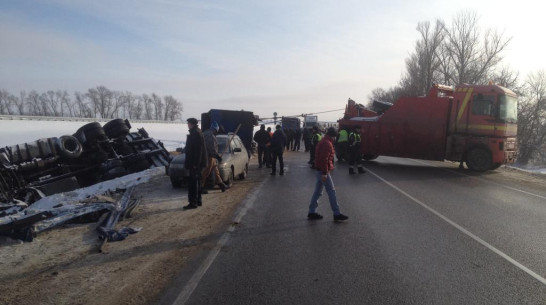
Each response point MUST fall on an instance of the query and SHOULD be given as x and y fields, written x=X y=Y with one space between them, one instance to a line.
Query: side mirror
x=237 y=149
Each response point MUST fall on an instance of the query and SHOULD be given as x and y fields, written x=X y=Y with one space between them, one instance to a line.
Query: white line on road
x=186 y=293
x=481 y=179
x=463 y=230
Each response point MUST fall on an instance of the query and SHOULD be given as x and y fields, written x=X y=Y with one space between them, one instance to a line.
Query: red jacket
x=324 y=155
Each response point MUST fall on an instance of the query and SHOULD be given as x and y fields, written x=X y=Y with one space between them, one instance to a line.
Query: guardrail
x=72 y=119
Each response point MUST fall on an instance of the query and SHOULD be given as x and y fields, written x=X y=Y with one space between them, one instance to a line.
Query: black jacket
x=196 y=153
x=262 y=137
x=278 y=141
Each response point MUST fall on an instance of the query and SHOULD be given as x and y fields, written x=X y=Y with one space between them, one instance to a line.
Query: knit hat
x=192 y=121
x=214 y=126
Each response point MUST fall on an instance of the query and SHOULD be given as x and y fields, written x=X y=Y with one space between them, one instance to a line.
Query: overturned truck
x=94 y=153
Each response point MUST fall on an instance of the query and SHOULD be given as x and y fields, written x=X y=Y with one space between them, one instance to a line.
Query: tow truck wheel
x=495 y=166
x=369 y=157
x=479 y=159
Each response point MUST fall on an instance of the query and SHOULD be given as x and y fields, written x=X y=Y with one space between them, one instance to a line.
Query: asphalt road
x=419 y=232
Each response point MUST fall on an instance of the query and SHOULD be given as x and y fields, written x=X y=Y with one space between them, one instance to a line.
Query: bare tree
x=102 y=100
x=148 y=107
x=173 y=108
x=20 y=103
x=422 y=66
x=532 y=118
x=471 y=57
x=158 y=106
x=4 y=101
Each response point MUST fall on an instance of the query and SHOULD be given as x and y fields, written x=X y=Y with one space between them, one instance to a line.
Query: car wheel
x=175 y=182
x=243 y=175
x=229 y=181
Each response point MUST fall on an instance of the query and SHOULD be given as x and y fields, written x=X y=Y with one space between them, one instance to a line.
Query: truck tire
x=116 y=128
x=495 y=166
x=369 y=157
x=90 y=133
x=479 y=159
x=68 y=147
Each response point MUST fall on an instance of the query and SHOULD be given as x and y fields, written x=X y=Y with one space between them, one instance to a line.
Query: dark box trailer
x=290 y=123
x=229 y=120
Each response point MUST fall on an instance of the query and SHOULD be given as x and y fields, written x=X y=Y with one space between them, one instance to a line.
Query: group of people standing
x=202 y=158
x=271 y=147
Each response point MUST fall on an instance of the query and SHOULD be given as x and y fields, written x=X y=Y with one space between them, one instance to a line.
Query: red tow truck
x=469 y=123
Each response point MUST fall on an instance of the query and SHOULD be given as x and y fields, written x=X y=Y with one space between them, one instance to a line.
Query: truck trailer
x=475 y=124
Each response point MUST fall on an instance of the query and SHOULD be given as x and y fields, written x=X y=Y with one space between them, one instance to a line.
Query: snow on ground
x=14 y=132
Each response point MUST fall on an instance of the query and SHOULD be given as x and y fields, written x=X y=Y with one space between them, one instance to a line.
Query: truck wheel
x=116 y=128
x=69 y=147
x=495 y=166
x=369 y=157
x=244 y=173
x=479 y=160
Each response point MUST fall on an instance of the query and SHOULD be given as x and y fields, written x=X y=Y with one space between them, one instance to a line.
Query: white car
x=234 y=161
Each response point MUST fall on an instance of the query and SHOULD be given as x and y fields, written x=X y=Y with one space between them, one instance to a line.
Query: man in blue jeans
x=324 y=163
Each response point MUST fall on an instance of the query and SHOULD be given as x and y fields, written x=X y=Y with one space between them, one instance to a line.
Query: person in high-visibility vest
x=355 y=155
x=341 y=145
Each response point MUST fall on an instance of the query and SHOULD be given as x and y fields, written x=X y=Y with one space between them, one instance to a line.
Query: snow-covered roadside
x=534 y=170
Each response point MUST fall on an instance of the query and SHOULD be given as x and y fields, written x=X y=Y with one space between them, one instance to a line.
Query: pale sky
x=291 y=57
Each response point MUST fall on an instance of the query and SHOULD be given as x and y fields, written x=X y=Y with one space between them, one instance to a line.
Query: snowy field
x=20 y=131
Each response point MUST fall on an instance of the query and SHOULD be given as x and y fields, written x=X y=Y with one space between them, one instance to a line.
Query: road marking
x=481 y=179
x=186 y=293
x=463 y=230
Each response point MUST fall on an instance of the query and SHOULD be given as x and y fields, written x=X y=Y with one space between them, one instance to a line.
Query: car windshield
x=508 y=108
x=222 y=142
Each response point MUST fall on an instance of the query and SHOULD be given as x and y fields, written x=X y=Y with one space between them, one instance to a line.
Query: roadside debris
x=32 y=171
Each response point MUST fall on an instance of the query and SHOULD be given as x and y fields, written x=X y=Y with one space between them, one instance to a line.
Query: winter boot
x=351 y=171
x=223 y=187
x=361 y=170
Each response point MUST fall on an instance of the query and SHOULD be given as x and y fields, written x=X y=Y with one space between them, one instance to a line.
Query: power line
x=302 y=115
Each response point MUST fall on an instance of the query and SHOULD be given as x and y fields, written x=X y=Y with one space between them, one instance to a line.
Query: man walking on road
x=278 y=142
x=196 y=160
x=324 y=163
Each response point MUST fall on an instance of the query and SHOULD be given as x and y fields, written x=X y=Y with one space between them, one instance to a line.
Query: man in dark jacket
x=196 y=160
x=278 y=142
x=324 y=163
x=262 y=137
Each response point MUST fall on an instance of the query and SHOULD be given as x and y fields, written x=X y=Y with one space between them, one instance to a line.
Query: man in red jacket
x=324 y=163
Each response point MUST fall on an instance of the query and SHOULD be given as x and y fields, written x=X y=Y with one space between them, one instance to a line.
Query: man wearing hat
x=196 y=160
x=324 y=163
x=213 y=158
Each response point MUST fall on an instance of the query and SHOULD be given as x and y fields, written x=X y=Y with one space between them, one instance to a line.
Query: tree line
x=99 y=102
x=461 y=51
